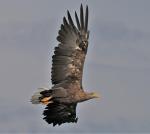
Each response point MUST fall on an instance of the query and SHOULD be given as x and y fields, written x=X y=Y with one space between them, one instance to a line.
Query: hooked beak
x=96 y=95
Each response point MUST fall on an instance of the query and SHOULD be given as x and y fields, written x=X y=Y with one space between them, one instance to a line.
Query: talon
x=46 y=99
x=46 y=102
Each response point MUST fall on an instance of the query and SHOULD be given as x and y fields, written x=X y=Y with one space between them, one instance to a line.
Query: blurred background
x=117 y=64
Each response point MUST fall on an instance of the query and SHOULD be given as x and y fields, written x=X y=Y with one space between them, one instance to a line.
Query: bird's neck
x=84 y=97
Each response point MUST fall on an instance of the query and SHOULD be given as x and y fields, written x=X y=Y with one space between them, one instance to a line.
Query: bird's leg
x=46 y=100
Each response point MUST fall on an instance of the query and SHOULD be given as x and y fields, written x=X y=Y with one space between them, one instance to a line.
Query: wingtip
x=87 y=8
x=65 y=21
x=81 y=6
x=86 y=18
x=77 y=21
x=82 y=17
x=69 y=16
x=76 y=14
x=68 y=12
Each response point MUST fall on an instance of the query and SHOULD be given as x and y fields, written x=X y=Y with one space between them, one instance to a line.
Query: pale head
x=93 y=95
x=88 y=96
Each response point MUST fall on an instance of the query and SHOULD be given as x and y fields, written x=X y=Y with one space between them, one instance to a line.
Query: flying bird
x=66 y=73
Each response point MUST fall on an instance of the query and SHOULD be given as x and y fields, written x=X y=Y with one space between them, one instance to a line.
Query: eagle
x=66 y=74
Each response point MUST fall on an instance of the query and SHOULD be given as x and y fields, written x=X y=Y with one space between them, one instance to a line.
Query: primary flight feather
x=67 y=70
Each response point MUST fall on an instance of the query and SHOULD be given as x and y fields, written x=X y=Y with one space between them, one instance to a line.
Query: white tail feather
x=36 y=98
x=42 y=89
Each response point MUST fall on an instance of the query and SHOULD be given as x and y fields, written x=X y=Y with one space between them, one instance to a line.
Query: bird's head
x=92 y=95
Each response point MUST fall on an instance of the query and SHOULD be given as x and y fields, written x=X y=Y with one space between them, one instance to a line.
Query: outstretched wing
x=57 y=113
x=69 y=55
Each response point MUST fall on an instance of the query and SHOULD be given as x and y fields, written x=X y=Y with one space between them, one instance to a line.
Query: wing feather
x=81 y=17
x=86 y=18
x=69 y=55
x=77 y=20
x=57 y=113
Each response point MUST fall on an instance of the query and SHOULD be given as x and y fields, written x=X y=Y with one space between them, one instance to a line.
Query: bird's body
x=67 y=70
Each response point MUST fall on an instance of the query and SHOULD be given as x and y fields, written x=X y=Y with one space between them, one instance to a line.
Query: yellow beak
x=96 y=95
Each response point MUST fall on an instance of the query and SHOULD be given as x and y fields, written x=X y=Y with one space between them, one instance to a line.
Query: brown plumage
x=67 y=70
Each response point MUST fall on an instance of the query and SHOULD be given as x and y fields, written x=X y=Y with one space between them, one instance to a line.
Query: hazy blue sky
x=117 y=64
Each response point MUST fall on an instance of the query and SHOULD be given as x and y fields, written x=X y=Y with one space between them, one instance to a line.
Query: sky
x=117 y=65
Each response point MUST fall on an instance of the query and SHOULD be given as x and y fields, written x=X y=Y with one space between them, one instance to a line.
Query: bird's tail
x=42 y=97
